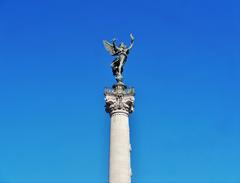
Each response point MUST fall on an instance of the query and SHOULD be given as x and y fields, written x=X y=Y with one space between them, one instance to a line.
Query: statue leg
x=115 y=66
x=120 y=67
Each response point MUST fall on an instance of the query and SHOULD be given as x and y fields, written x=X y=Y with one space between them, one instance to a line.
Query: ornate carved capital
x=119 y=99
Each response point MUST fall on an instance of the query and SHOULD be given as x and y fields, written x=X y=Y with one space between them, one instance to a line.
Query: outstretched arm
x=132 y=41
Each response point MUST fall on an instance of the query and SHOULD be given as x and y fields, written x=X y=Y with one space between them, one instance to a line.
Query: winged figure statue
x=121 y=53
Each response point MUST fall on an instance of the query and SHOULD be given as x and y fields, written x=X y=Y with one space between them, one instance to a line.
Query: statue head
x=122 y=45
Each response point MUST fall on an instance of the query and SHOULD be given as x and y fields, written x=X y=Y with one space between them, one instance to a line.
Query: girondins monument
x=119 y=104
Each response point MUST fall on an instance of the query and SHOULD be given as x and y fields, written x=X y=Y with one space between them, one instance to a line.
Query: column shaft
x=120 y=168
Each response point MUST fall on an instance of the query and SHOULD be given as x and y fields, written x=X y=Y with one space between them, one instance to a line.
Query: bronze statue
x=120 y=52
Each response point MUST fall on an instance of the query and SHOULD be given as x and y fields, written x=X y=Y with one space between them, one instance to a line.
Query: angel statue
x=120 y=52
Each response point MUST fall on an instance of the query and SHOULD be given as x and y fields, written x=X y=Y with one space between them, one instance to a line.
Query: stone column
x=119 y=104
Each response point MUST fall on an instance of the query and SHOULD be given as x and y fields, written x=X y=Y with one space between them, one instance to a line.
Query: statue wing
x=109 y=47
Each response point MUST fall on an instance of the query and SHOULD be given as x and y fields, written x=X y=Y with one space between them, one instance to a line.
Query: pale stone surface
x=119 y=170
x=119 y=103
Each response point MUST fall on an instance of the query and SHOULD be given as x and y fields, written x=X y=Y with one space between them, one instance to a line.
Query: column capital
x=119 y=99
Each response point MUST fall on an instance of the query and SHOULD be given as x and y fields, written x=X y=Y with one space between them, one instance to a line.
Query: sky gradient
x=185 y=67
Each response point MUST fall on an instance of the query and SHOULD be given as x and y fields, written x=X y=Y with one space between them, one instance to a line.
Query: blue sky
x=185 y=67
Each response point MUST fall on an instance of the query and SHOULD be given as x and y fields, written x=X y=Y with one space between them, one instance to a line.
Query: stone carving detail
x=119 y=98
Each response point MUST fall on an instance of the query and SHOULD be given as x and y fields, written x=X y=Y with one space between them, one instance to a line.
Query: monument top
x=121 y=53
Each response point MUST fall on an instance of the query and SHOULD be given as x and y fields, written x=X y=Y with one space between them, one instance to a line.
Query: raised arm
x=132 y=41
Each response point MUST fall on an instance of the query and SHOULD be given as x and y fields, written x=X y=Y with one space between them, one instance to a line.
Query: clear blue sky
x=185 y=67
